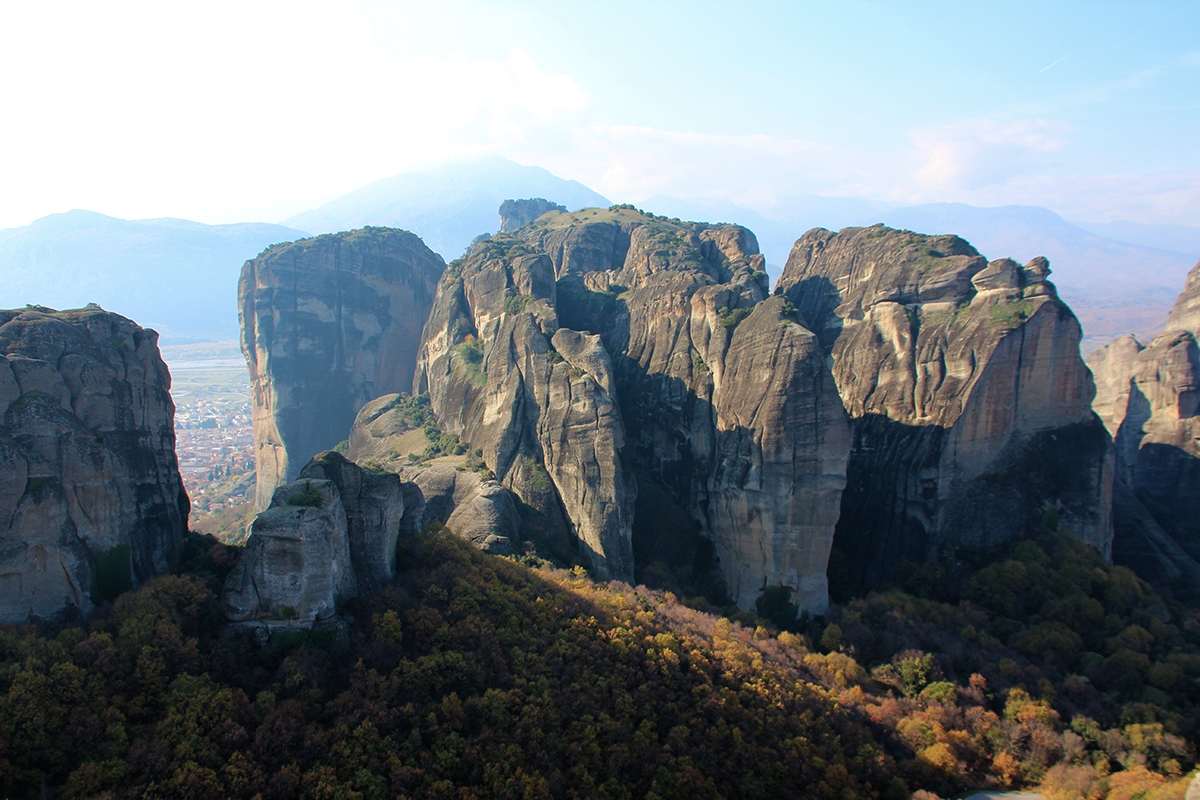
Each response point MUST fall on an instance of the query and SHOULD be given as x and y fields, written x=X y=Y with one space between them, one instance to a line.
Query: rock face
x=374 y=505
x=483 y=511
x=1149 y=398
x=536 y=399
x=971 y=405
x=519 y=213
x=328 y=324
x=477 y=509
x=612 y=341
x=325 y=538
x=87 y=460
x=296 y=565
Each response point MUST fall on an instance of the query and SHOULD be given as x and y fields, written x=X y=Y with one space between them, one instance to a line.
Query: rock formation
x=579 y=349
x=587 y=345
x=328 y=324
x=518 y=213
x=374 y=503
x=472 y=506
x=971 y=405
x=325 y=538
x=296 y=566
x=90 y=495
x=707 y=375
x=389 y=431
x=1149 y=398
x=536 y=399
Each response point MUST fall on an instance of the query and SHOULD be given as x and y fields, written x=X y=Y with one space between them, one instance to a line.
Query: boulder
x=374 y=504
x=475 y=508
x=328 y=324
x=325 y=538
x=91 y=500
x=296 y=567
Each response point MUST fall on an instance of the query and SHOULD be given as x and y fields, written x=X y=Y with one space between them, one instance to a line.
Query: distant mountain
x=1114 y=287
x=1178 y=238
x=447 y=206
x=175 y=276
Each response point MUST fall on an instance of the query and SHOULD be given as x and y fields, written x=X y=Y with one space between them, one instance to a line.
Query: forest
x=476 y=676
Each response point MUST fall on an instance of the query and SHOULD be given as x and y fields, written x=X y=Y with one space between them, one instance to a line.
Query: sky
x=229 y=112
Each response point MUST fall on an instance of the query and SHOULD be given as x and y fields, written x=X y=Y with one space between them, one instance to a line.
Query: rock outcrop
x=535 y=398
x=519 y=213
x=325 y=538
x=473 y=507
x=374 y=504
x=389 y=431
x=90 y=495
x=971 y=405
x=296 y=566
x=730 y=416
x=328 y=324
x=1149 y=398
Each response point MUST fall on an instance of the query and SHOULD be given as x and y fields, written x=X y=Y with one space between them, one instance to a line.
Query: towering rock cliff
x=1149 y=398
x=537 y=399
x=971 y=405
x=730 y=412
x=90 y=495
x=328 y=324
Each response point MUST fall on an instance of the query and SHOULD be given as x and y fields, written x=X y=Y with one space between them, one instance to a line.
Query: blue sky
x=227 y=112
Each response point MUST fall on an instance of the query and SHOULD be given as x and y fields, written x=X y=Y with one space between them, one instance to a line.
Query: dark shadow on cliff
x=1167 y=481
x=670 y=550
x=886 y=533
x=1156 y=531
x=816 y=298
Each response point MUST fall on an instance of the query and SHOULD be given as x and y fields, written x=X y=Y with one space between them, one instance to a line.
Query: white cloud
x=977 y=152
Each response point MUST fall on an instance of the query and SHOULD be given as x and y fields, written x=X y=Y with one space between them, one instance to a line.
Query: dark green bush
x=113 y=575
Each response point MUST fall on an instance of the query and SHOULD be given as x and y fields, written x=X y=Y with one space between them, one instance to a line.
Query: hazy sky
x=226 y=112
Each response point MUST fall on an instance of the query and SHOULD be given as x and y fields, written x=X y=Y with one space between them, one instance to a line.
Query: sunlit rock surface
x=324 y=538
x=971 y=405
x=328 y=324
x=534 y=398
x=87 y=460
x=730 y=415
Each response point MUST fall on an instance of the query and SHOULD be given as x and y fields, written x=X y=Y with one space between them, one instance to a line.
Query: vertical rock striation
x=730 y=417
x=328 y=324
x=971 y=405
x=88 y=474
x=535 y=398
x=1149 y=398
